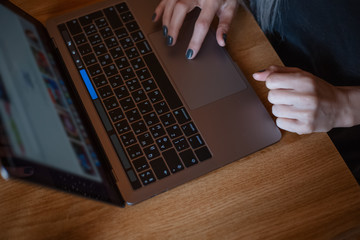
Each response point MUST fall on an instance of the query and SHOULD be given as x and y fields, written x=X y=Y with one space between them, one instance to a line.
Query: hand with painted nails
x=304 y=103
x=173 y=13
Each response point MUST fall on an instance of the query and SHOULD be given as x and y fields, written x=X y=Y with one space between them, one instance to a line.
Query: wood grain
x=299 y=188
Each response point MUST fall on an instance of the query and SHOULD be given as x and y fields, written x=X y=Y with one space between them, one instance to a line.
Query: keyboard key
x=80 y=39
x=196 y=141
x=122 y=63
x=151 y=152
x=143 y=47
x=149 y=85
x=151 y=119
x=95 y=39
x=87 y=19
x=89 y=59
x=116 y=53
x=100 y=49
x=140 y=164
x=128 y=139
x=139 y=127
x=113 y=17
x=74 y=27
x=180 y=144
x=111 y=103
x=182 y=116
x=106 y=32
x=203 y=153
x=189 y=129
x=121 y=33
x=100 y=23
x=127 y=74
x=167 y=119
x=160 y=168
x=163 y=143
x=127 y=103
x=90 y=29
x=122 y=7
x=122 y=126
x=133 y=84
x=126 y=43
x=137 y=36
x=132 y=53
x=105 y=92
x=173 y=160
x=105 y=60
x=143 y=74
x=145 y=107
x=157 y=130
x=134 y=151
x=174 y=131
x=137 y=63
x=133 y=115
x=111 y=42
x=145 y=139
x=161 y=107
x=132 y=26
x=99 y=80
x=121 y=92
x=115 y=81
x=84 y=49
x=94 y=70
x=116 y=115
x=110 y=70
x=188 y=158
x=126 y=17
x=139 y=95
x=147 y=177
x=155 y=96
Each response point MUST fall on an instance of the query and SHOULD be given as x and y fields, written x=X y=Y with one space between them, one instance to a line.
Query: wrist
x=349 y=109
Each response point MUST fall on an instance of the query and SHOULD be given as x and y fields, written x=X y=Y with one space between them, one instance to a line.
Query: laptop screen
x=39 y=121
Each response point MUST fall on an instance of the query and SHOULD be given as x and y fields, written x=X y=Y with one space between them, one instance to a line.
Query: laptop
x=98 y=105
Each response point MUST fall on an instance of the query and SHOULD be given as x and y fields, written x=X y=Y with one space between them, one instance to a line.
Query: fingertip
x=189 y=54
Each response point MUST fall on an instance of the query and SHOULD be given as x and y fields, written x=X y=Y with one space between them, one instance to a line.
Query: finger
x=179 y=14
x=225 y=18
x=168 y=12
x=292 y=125
x=292 y=112
x=264 y=74
x=200 y=30
x=291 y=97
x=159 y=11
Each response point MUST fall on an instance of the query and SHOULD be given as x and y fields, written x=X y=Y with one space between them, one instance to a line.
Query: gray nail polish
x=165 y=31
x=189 y=53
x=169 y=40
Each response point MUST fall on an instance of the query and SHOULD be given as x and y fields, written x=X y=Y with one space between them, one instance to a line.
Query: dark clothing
x=323 y=37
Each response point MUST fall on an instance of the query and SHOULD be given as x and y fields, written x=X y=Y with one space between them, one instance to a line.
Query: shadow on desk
x=347 y=142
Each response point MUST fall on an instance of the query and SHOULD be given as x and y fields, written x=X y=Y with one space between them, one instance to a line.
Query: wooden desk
x=299 y=188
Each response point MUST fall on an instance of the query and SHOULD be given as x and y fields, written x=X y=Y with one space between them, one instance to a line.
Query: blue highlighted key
x=88 y=84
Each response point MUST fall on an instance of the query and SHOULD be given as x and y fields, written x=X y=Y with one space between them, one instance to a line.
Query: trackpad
x=205 y=79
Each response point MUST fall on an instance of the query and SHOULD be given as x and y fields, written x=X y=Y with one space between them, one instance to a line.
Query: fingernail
x=169 y=40
x=189 y=53
x=225 y=37
x=165 y=31
x=153 y=17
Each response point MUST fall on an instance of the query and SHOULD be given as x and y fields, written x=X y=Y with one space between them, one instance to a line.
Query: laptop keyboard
x=151 y=131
